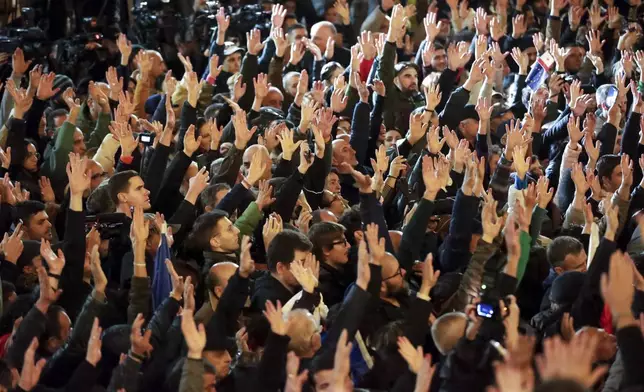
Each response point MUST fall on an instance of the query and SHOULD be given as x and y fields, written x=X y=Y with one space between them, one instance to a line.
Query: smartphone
x=146 y=138
x=485 y=310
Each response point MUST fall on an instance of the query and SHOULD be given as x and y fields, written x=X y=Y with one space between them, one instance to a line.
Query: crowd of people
x=448 y=200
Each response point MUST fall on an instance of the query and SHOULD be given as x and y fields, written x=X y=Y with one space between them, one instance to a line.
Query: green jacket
x=57 y=153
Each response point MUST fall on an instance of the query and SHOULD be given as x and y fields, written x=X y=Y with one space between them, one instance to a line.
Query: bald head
x=248 y=157
x=447 y=330
x=321 y=32
x=343 y=152
x=218 y=277
x=396 y=237
x=290 y=81
x=302 y=329
x=273 y=99
x=97 y=174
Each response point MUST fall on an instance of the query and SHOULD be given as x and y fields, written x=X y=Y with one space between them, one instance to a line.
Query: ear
x=208 y=208
x=122 y=197
x=219 y=291
x=214 y=243
x=357 y=235
x=316 y=341
x=383 y=288
x=558 y=270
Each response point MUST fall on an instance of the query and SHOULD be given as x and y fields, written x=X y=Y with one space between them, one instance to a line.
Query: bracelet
x=52 y=275
x=136 y=357
x=140 y=264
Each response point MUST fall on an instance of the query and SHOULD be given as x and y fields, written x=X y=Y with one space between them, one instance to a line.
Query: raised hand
x=100 y=280
x=458 y=56
x=123 y=132
x=12 y=245
x=294 y=381
x=140 y=228
x=55 y=262
x=286 y=141
x=45 y=87
x=261 y=86
x=197 y=184
x=31 y=369
x=491 y=222
x=242 y=133
x=430 y=277
x=18 y=64
x=281 y=43
x=413 y=356
x=306 y=158
x=376 y=244
x=272 y=227
x=125 y=47
x=264 y=196
x=278 y=13
x=275 y=318
x=195 y=337
x=544 y=193
x=77 y=174
x=140 y=342
x=305 y=276
x=521 y=59
x=246 y=263
x=254 y=42
x=94 y=344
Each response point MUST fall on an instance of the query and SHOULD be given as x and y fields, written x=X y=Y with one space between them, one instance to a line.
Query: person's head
x=494 y=157
x=567 y=254
x=406 y=77
x=439 y=58
x=220 y=359
x=213 y=231
x=352 y=222
x=323 y=215
x=248 y=157
x=36 y=225
x=321 y=373
x=331 y=14
x=391 y=137
x=343 y=152
x=128 y=190
x=232 y=61
x=469 y=125
x=218 y=276
x=30 y=162
x=321 y=32
x=393 y=278
x=96 y=172
x=333 y=181
x=609 y=172
x=274 y=98
x=209 y=377
x=574 y=58
x=303 y=331
x=158 y=64
x=286 y=247
x=290 y=81
x=57 y=329
x=79 y=146
x=329 y=243
x=213 y=194
x=295 y=33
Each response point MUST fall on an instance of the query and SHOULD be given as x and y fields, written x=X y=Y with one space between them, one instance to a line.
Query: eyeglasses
x=98 y=175
x=342 y=241
x=398 y=273
x=33 y=154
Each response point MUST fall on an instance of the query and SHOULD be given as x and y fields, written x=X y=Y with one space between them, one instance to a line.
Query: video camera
x=108 y=225
x=33 y=42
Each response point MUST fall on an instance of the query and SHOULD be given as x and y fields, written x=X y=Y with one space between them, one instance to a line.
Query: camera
x=109 y=225
x=33 y=42
x=146 y=138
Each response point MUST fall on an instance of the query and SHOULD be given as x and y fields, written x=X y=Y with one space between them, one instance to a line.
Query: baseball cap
x=230 y=48
x=469 y=111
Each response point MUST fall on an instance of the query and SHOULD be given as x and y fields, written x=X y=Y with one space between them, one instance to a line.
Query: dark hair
x=295 y=27
x=560 y=385
x=605 y=166
x=561 y=247
x=204 y=229
x=5 y=375
x=322 y=235
x=119 y=183
x=209 y=194
x=352 y=222
x=283 y=246
x=27 y=209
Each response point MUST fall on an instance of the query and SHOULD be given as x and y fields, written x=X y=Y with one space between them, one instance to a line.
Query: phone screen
x=485 y=310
